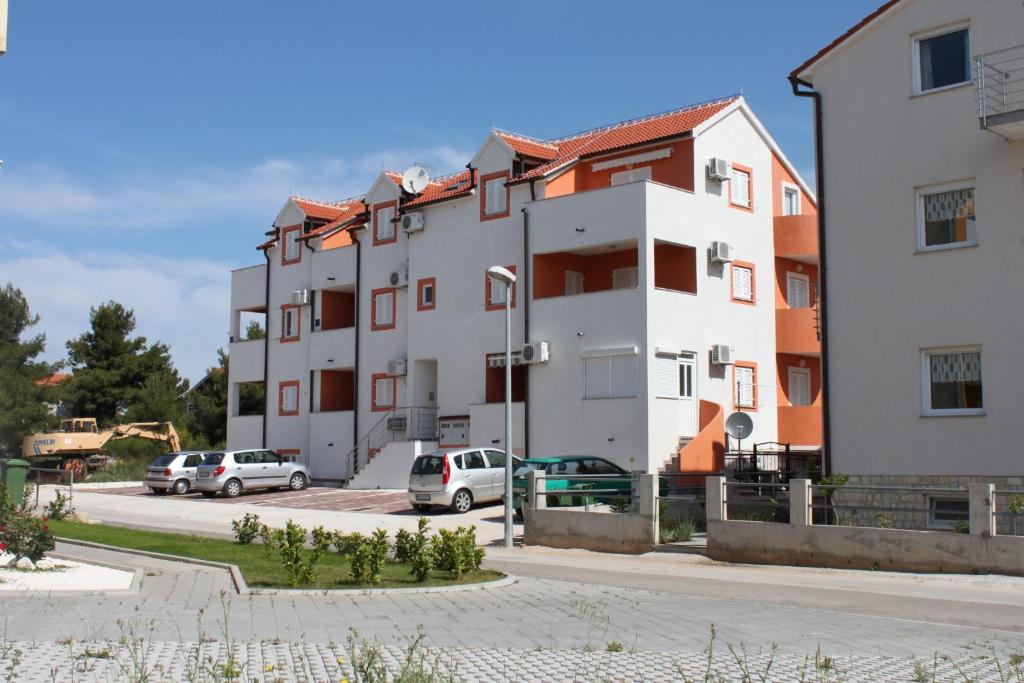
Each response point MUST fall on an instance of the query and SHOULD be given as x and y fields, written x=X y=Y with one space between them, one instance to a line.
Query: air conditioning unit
x=721 y=354
x=535 y=352
x=400 y=278
x=718 y=169
x=397 y=367
x=413 y=222
x=300 y=297
x=721 y=252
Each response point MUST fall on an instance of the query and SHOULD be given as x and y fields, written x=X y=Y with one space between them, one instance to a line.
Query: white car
x=458 y=478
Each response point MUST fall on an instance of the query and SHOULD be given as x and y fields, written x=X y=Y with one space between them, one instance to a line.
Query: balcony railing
x=999 y=78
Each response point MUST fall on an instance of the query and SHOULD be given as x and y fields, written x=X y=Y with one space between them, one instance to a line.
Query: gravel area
x=66 y=575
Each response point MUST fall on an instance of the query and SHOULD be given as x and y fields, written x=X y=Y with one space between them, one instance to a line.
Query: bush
x=403 y=545
x=299 y=563
x=58 y=507
x=456 y=551
x=677 y=530
x=21 y=534
x=367 y=555
x=247 y=529
x=421 y=551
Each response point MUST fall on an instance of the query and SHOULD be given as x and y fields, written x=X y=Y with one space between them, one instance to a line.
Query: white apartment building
x=922 y=191
x=648 y=291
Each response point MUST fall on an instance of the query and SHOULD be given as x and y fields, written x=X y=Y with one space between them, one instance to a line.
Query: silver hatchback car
x=458 y=478
x=174 y=472
x=231 y=472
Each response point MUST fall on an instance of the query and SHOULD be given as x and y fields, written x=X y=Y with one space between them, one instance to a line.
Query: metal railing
x=400 y=424
x=999 y=80
x=52 y=476
x=584 y=490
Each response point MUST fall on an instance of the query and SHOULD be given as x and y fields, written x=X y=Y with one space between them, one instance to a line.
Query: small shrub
x=961 y=526
x=456 y=551
x=678 y=530
x=21 y=534
x=421 y=551
x=247 y=529
x=299 y=563
x=403 y=545
x=58 y=507
x=613 y=646
x=883 y=521
x=367 y=555
x=620 y=505
x=346 y=544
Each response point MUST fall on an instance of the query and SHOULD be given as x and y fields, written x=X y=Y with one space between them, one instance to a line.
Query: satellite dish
x=415 y=179
x=739 y=425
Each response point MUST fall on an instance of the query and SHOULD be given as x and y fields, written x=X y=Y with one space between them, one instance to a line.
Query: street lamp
x=503 y=276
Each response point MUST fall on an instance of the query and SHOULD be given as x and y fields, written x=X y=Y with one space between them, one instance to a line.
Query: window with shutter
x=739 y=187
x=290 y=252
x=290 y=317
x=742 y=282
x=611 y=376
x=383 y=309
x=631 y=176
x=494 y=292
x=797 y=286
x=624 y=278
x=494 y=198
x=573 y=282
x=288 y=398
x=385 y=229
x=667 y=376
x=745 y=380
x=383 y=392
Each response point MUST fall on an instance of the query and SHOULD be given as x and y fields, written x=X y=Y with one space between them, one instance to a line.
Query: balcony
x=246 y=360
x=796 y=331
x=332 y=349
x=800 y=425
x=796 y=237
x=249 y=288
x=999 y=82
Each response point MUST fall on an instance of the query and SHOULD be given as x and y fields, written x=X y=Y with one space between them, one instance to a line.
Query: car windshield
x=428 y=464
x=165 y=460
x=213 y=458
x=524 y=467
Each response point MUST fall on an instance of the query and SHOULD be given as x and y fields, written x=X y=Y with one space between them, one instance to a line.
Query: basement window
x=943 y=513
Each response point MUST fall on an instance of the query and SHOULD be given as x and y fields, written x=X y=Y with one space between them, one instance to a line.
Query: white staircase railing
x=999 y=78
x=406 y=423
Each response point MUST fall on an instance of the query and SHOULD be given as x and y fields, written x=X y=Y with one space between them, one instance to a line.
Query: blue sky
x=148 y=145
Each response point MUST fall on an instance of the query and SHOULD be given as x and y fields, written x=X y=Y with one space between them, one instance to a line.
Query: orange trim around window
x=422 y=284
x=394 y=226
x=374 y=325
x=753 y=283
x=484 y=216
x=487 y=292
x=750 y=188
x=378 y=407
x=298 y=324
x=284 y=245
x=736 y=390
x=280 y=398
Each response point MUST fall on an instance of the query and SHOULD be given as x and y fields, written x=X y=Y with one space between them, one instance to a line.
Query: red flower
x=46 y=528
x=3 y=546
x=46 y=519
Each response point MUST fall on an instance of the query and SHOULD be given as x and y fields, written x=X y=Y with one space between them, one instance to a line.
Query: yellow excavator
x=78 y=444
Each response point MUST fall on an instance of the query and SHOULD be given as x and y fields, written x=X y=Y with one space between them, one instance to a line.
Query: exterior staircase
x=410 y=426
x=671 y=465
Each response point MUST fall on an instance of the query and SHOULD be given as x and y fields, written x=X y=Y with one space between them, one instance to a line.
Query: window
x=597 y=466
x=495 y=292
x=383 y=392
x=944 y=512
x=573 y=282
x=799 y=385
x=291 y=319
x=798 y=290
x=743 y=282
x=631 y=176
x=288 y=398
x=952 y=381
x=610 y=376
x=291 y=252
x=383 y=309
x=624 y=278
x=739 y=186
x=474 y=460
x=745 y=382
x=494 y=199
x=686 y=378
x=942 y=60
x=666 y=376
x=495 y=458
x=194 y=460
x=383 y=225
x=790 y=200
x=425 y=293
x=945 y=217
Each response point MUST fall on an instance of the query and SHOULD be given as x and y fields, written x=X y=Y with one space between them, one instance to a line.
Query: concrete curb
x=243 y=589
x=136 y=578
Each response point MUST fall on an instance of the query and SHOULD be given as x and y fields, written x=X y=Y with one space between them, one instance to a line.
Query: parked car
x=231 y=472
x=568 y=465
x=458 y=478
x=174 y=472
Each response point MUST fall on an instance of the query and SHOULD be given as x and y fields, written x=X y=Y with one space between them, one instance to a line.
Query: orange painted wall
x=705 y=454
x=785 y=265
x=549 y=271
x=337 y=390
x=785 y=361
x=675 y=170
x=597 y=271
x=675 y=267
x=337 y=309
x=779 y=175
x=342 y=238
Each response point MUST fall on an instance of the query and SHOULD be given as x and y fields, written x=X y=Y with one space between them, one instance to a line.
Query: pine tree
x=23 y=408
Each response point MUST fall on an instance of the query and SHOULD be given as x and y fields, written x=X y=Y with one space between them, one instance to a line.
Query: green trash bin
x=13 y=477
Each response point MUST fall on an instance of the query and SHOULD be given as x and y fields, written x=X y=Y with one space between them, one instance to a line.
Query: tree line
x=116 y=376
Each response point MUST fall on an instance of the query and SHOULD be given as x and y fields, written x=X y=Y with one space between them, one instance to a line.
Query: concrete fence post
x=536 y=490
x=715 y=503
x=981 y=509
x=800 y=499
x=647 y=501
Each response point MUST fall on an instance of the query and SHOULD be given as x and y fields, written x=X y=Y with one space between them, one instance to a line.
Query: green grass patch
x=260 y=568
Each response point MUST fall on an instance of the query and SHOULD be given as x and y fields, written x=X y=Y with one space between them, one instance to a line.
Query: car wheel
x=420 y=507
x=232 y=488
x=462 y=501
x=208 y=494
x=181 y=487
x=297 y=481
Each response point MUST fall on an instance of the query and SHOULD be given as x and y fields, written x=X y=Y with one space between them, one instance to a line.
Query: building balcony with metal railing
x=999 y=81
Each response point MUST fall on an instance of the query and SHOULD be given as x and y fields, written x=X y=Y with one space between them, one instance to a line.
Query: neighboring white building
x=385 y=337
x=923 y=203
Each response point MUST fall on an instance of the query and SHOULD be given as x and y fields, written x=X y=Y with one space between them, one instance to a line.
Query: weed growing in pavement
x=921 y=672
x=367 y=660
x=613 y=646
x=247 y=529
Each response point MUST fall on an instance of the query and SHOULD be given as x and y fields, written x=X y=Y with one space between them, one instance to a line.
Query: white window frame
x=790 y=275
x=497 y=193
x=388 y=382
x=926 y=382
x=386 y=319
x=427 y=286
x=385 y=224
x=933 y=523
x=750 y=281
x=632 y=272
x=291 y=323
x=738 y=386
x=915 y=57
x=791 y=188
x=286 y=391
x=626 y=359
x=919 y=195
x=291 y=245
x=747 y=185
x=806 y=372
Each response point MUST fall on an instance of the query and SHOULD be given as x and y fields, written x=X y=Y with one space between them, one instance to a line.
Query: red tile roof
x=352 y=209
x=321 y=210
x=53 y=380
x=626 y=134
x=442 y=188
x=530 y=147
x=843 y=38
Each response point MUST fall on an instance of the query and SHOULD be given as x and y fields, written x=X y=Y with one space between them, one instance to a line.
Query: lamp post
x=503 y=276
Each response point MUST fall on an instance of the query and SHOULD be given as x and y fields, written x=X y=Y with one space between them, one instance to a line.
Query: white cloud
x=182 y=302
